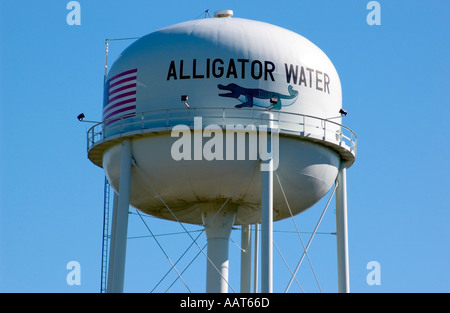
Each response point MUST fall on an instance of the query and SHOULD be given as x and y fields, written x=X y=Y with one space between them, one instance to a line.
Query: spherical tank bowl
x=229 y=72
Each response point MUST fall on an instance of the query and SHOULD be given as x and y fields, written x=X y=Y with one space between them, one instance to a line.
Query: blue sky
x=395 y=80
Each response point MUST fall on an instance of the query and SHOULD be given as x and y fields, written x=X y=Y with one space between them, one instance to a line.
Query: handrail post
x=304 y=125
x=167 y=118
x=88 y=140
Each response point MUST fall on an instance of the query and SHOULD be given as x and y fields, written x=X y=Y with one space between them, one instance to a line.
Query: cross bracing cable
x=311 y=238
x=179 y=259
x=287 y=265
x=187 y=266
x=181 y=224
x=298 y=232
x=159 y=245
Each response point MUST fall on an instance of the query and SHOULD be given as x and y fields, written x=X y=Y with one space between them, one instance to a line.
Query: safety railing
x=295 y=124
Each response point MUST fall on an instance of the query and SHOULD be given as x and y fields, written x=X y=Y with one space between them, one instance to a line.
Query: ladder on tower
x=105 y=242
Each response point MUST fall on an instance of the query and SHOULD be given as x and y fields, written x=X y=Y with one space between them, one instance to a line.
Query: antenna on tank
x=206 y=14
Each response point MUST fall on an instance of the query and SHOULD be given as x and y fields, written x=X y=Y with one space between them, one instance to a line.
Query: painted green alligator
x=258 y=97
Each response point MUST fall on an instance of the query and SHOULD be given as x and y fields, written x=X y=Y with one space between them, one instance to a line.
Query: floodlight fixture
x=273 y=102
x=343 y=112
x=184 y=99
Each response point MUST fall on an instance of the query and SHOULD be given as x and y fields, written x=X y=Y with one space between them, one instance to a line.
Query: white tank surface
x=207 y=74
x=224 y=62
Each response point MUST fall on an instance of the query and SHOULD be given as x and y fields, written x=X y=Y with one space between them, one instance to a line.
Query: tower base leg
x=218 y=231
x=116 y=275
x=246 y=258
x=342 y=232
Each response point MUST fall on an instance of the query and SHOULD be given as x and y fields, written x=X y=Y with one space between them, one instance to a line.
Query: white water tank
x=227 y=71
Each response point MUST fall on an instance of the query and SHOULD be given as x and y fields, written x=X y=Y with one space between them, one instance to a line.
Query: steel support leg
x=218 y=230
x=267 y=228
x=119 y=232
x=342 y=232
x=246 y=258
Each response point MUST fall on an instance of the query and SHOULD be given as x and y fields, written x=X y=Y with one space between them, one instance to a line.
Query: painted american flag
x=120 y=96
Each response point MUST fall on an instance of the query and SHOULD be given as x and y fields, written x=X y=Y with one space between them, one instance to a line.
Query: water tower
x=197 y=117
